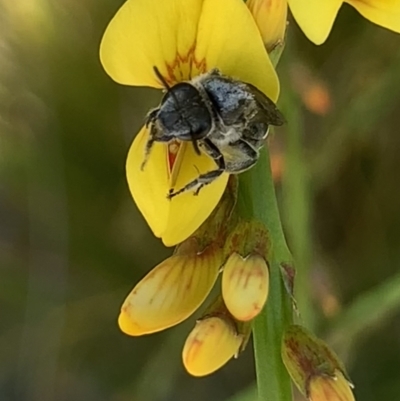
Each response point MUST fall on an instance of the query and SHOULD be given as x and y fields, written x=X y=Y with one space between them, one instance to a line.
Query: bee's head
x=184 y=114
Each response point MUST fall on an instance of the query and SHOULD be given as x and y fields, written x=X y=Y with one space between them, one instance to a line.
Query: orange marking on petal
x=181 y=68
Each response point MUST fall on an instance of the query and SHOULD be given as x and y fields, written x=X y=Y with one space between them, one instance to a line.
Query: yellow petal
x=245 y=283
x=315 y=17
x=147 y=33
x=176 y=219
x=170 y=293
x=149 y=187
x=188 y=211
x=228 y=38
x=382 y=12
x=325 y=388
x=209 y=346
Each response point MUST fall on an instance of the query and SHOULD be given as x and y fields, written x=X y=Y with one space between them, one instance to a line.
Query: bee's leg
x=150 y=142
x=213 y=151
x=196 y=147
x=151 y=117
x=147 y=151
x=206 y=178
x=149 y=121
x=201 y=181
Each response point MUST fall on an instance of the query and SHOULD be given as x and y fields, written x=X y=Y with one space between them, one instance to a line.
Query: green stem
x=257 y=200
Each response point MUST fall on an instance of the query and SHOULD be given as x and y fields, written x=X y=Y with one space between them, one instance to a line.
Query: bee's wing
x=268 y=111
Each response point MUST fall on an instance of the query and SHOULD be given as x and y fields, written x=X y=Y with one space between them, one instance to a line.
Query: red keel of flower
x=173 y=149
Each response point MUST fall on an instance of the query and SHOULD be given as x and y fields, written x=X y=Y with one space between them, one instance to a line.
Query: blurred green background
x=72 y=243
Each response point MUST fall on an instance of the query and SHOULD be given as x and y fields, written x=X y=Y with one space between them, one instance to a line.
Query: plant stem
x=256 y=200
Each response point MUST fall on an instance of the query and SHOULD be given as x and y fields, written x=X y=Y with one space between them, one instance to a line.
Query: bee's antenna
x=196 y=147
x=162 y=79
x=166 y=86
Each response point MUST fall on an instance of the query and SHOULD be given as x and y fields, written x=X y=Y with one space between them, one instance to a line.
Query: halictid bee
x=225 y=118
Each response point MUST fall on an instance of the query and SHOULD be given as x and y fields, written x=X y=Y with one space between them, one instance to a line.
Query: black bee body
x=225 y=118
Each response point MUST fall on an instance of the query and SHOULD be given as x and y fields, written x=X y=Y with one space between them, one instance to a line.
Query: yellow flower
x=211 y=344
x=245 y=284
x=172 y=291
x=270 y=16
x=182 y=38
x=316 y=17
x=175 y=288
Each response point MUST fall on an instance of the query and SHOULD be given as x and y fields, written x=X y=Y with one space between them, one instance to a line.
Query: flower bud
x=171 y=292
x=245 y=284
x=271 y=19
x=326 y=388
x=213 y=341
x=314 y=367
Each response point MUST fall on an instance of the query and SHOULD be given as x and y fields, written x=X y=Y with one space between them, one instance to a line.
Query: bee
x=223 y=117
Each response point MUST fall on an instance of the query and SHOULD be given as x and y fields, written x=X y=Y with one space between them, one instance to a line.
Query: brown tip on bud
x=247 y=237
